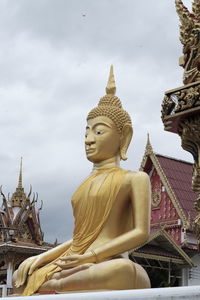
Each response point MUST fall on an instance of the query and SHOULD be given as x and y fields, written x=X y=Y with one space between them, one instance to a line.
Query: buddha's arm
x=30 y=264
x=49 y=255
x=140 y=197
x=55 y=252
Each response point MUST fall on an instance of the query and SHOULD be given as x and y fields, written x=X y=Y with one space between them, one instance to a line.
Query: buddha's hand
x=26 y=268
x=67 y=262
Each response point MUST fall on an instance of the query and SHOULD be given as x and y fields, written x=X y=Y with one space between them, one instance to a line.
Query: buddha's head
x=109 y=128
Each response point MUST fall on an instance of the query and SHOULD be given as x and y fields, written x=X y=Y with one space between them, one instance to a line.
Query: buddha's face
x=102 y=140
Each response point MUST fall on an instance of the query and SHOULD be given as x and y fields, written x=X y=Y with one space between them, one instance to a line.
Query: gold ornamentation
x=156 y=195
x=181 y=99
x=196 y=225
x=167 y=106
x=187 y=98
x=190 y=136
x=189 y=37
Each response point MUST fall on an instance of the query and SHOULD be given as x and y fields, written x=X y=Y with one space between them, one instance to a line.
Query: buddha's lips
x=90 y=150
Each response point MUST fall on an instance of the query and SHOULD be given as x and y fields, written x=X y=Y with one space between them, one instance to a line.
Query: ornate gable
x=165 y=205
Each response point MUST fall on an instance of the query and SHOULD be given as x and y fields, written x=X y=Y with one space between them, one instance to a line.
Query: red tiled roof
x=179 y=175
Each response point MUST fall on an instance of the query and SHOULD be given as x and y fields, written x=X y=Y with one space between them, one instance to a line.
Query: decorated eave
x=161 y=247
x=176 y=178
x=19 y=217
x=23 y=248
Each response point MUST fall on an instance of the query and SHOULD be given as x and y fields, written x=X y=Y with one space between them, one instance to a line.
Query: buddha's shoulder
x=135 y=176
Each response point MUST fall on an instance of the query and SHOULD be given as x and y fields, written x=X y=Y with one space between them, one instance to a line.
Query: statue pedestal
x=176 y=293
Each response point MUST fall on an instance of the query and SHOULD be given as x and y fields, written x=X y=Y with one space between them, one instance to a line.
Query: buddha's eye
x=99 y=132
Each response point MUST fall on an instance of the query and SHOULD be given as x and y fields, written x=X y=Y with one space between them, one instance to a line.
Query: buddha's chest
x=90 y=191
x=121 y=215
x=98 y=193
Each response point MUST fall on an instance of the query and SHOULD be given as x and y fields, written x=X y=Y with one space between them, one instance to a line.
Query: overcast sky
x=54 y=62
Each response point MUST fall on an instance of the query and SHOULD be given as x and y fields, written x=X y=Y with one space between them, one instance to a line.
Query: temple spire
x=148 y=152
x=148 y=138
x=111 y=87
x=149 y=148
x=20 y=176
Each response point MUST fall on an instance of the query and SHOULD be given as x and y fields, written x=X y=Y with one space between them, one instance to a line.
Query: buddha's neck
x=113 y=162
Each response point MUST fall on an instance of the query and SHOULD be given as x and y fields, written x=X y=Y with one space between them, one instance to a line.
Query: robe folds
x=92 y=203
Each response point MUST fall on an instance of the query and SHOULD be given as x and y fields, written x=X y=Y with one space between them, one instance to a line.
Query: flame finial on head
x=111 y=87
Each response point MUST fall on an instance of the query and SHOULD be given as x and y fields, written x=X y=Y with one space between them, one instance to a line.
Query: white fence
x=176 y=293
x=3 y=289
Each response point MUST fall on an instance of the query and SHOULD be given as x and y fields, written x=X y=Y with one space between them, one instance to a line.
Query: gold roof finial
x=149 y=148
x=20 y=175
x=111 y=87
x=148 y=138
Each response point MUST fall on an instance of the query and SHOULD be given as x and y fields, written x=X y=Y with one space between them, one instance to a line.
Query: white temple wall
x=9 y=274
x=194 y=273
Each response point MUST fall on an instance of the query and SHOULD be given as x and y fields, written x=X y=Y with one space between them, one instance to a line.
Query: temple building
x=170 y=256
x=20 y=233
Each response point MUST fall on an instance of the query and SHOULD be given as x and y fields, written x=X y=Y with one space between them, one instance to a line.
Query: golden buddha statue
x=112 y=215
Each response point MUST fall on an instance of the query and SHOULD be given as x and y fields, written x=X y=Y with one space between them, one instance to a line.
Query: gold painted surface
x=112 y=215
x=180 y=103
x=190 y=136
x=189 y=37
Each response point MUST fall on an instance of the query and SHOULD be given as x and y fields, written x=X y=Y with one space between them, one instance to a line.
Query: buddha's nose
x=89 y=140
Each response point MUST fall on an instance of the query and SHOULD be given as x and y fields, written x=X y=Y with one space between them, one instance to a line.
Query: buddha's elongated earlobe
x=126 y=136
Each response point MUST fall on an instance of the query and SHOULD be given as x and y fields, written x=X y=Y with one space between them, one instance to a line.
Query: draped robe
x=92 y=203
